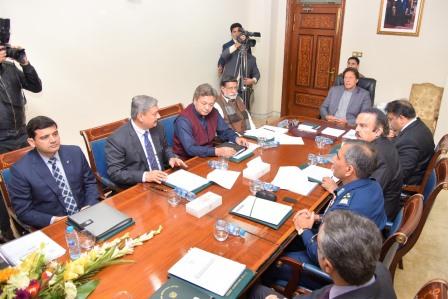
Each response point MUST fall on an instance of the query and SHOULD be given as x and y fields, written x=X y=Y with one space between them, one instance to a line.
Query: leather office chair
x=412 y=212
x=6 y=161
x=95 y=140
x=426 y=99
x=428 y=181
x=368 y=84
x=167 y=117
x=433 y=289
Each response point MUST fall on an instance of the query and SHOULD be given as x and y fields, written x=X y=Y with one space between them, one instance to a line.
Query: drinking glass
x=255 y=186
x=312 y=159
x=175 y=199
x=86 y=240
x=221 y=232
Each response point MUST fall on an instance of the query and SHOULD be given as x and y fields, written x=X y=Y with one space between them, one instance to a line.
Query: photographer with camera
x=240 y=63
x=12 y=103
x=235 y=30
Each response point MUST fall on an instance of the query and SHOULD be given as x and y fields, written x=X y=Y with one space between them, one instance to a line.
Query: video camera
x=245 y=40
x=16 y=54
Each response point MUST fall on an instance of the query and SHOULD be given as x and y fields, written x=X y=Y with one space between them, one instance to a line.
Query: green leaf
x=87 y=288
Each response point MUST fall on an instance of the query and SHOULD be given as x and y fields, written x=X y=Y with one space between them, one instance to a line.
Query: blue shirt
x=184 y=131
x=364 y=197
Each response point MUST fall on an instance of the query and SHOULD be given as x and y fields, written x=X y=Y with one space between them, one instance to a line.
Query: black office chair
x=368 y=84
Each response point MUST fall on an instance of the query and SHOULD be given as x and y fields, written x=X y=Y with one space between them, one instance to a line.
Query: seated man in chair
x=197 y=126
x=51 y=181
x=138 y=151
x=349 y=247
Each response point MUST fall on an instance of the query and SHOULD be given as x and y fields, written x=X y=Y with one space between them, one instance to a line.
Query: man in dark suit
x=52 y=180
x=414 y=141
x=235 y=30
x=344 y=102
x=349 y=247
x=372 y=126
x=138 y=151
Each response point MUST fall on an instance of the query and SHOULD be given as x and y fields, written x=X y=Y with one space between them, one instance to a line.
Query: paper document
x=350 y=135
x=293 y=179
x=186 y=180
x=307 y=128
x=18 y=249
x=286 y=139
x=250 y=148
x=262 y=209
x=260 y=133
x=277 y=130
x=333 y=132
x=317 y=173
x=224 y=178
x=207 y=270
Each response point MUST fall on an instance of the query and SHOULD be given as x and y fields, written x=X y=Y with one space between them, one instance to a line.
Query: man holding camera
x=240 y=63
x=12 y=103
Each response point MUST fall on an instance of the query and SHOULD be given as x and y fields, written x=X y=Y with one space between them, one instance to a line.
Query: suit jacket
x=230 y=43
x=415 y=146
x=125 y=156
x=231 y=68
x=388 y=175
x=35 y=194
x=359 y=102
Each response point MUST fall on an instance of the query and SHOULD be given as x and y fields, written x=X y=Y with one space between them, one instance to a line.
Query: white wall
x=93 y=56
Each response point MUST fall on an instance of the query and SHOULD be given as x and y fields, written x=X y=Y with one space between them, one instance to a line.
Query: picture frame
x=400 y=17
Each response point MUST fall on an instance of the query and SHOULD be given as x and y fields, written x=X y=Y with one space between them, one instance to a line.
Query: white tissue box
x=203 y=204
x=256 y=171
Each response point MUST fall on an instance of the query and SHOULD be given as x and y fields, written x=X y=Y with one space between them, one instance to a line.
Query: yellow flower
x=74 y=269
x=19 y=280
x=6 y=273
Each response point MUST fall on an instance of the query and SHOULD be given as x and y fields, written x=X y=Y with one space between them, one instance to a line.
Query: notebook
x=187 y=181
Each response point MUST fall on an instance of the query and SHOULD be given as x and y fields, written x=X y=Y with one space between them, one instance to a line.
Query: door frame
x=287 y=55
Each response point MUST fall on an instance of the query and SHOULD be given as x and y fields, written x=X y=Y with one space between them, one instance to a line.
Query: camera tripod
x=244 y=91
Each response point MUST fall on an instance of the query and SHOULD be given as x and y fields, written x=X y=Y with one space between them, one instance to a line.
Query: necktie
x=152 y=160
x=70 y=204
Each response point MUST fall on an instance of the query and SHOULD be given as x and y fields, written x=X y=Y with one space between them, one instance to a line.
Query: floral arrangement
x=35 y=277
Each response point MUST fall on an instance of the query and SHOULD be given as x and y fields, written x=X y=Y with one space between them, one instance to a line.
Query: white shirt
x=218 y=107
x=141 y=136
x=408 y=124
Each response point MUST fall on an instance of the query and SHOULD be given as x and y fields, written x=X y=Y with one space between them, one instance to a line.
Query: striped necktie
x=70 y=204
x=152 y=159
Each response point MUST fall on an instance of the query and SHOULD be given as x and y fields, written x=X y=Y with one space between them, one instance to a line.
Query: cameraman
x=12 y=103
x=235 y=65
x=235 y=31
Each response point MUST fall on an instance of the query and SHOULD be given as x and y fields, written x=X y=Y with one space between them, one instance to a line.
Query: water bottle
x=73 y=243
x=269 y=187
x=271 y=144
x=235 y=230
x=184 y=194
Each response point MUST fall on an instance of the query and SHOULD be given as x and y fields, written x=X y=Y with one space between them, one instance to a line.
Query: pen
x=269 y=129
x=251 y=208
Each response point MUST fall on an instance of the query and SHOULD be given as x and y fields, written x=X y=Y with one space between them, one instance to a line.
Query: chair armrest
x=411 y=188
x=108 y=183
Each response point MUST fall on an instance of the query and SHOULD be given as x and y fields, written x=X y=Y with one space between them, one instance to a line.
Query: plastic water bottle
x=271 y=144
x=184 y=194
x=72 y=242
x=235 y=230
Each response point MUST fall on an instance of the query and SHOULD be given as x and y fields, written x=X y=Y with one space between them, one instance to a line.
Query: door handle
x=332 y=72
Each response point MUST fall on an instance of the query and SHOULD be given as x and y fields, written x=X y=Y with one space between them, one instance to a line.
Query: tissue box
x=203 y=204
x=256 y=171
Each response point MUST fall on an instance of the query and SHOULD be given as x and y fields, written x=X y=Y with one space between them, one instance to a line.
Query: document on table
x=307 y=128
x=333 y=132
x=317 y=173
x=263 y=210
x=277 y=130
x=286 y=139
x=186 y=180
x=250 y=148
x=350 y=135
x=293 y=179
x=18 y=249
x=223 y=177
x=207 y=270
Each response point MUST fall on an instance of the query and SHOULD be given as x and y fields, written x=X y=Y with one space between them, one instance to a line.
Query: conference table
x=149 y=208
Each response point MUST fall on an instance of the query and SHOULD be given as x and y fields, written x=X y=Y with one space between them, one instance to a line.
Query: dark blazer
x=359 y=102
x=382 y=288
x=35 y=194
x=415 y=146
x=230 y=64
x=125 y=156
x=388 y=174
x=230 y=43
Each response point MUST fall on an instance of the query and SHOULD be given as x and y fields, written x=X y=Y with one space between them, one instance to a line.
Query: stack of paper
x=207 y=270
x=317 y=173
x=18 y=249
x=286 y=139
x=332 y=132
x=264 y=211
x=186 y=180
x=223 y=177
x=293 y=179
x=256 y=168
x=350 y=135
x=308 y=128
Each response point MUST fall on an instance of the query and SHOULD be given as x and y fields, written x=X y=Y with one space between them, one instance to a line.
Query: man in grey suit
x=138 y=151
x=343 y=103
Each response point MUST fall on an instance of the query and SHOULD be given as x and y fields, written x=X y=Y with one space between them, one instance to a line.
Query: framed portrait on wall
x=400 y=17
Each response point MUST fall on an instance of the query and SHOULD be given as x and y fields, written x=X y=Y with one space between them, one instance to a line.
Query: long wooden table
x=181 y=231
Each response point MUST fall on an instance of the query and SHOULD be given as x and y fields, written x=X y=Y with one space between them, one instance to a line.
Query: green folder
x=185 y=290
x=195 y=191
x=248 y=155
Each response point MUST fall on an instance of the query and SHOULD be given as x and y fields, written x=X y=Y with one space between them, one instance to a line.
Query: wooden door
x=312 y=48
